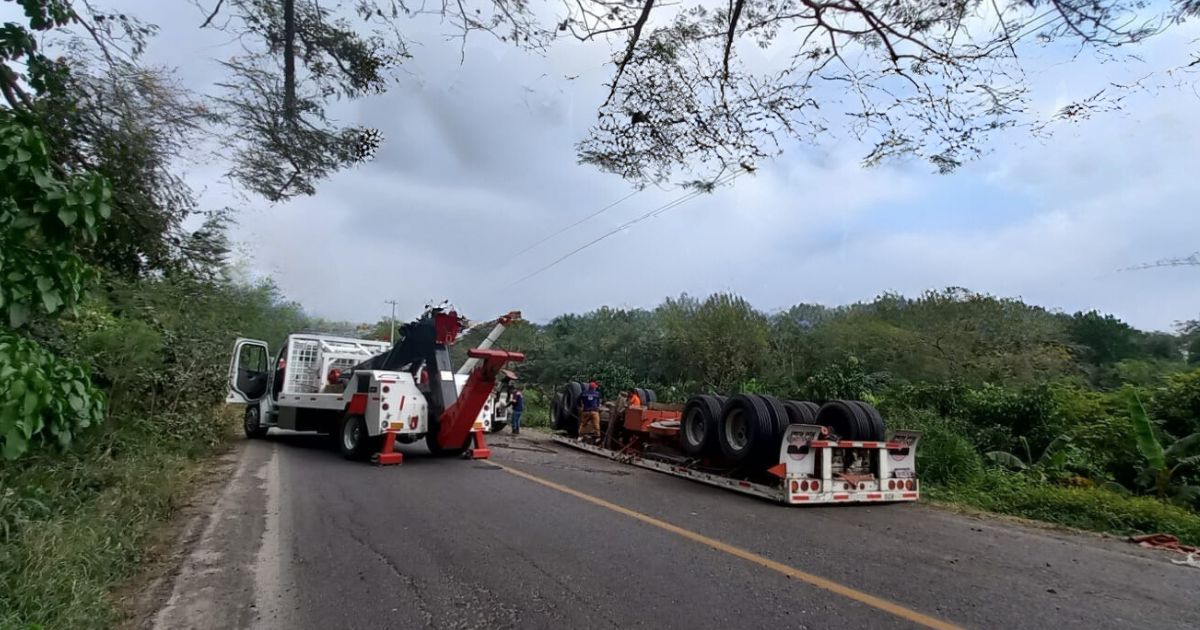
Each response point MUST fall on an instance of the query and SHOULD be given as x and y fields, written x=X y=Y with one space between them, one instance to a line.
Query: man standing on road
x=589 y=401
x=518 y=405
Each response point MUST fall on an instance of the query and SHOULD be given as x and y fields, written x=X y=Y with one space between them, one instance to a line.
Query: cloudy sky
x=478 y=163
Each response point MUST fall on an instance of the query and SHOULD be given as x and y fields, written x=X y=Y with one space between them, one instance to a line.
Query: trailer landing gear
x=388 y=455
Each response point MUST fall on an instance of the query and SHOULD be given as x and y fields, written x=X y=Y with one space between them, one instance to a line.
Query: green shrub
x=945 y=455
x=1084 y=508
x=43 y=398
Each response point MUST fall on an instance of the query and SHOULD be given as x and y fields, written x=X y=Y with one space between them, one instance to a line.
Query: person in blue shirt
x=589 y=403
x=518 y=405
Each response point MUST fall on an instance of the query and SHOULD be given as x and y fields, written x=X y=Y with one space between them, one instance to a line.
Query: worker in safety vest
x=634 y=399
x=589 y=403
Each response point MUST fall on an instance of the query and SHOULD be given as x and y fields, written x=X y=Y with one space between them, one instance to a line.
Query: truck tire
x=768 y=453
x=877 y=430
x=845 y=420
x=252 y=423
x=801 y=411
x=698 y=427
x=556 y=410
x=353 y=440
x=570 y=411
x=745 y=425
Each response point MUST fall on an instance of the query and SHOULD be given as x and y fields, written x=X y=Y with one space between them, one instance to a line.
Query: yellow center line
x=877 y=603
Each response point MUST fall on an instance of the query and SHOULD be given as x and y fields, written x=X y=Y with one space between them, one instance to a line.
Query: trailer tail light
x=910 y=484
x=804 y=486
x=795 y=486
x=385 y=406
x=386 y=389
x=816 y=485
x=412 y=422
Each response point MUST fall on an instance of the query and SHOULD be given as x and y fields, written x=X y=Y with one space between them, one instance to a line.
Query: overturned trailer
x=792 y=452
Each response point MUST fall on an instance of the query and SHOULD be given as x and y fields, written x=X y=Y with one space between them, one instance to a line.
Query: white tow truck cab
x=334 y=385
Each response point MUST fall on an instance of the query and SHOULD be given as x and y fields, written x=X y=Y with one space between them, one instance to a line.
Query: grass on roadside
x=74 y=525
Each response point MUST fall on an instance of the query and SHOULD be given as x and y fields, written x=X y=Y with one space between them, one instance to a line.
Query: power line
x=649 y=215
x=584 y=219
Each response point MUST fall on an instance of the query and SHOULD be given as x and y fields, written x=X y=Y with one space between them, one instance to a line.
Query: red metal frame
x=454 y=425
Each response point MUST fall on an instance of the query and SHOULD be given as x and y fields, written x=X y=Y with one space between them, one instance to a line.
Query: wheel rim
x=735 y=430
x=694 y=427
x=351 y=434
x=251 y=420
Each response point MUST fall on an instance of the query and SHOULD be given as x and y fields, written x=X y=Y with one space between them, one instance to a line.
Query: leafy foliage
x=43 y=218
x=43 y=398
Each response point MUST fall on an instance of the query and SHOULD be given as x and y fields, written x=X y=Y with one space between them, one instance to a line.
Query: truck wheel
x=801 y=411
x=570 y=415
x=353 y=439
x=252 y=423
x=745 y=424
x=845 y=420
x=698 y=429
x=768 y=449
x=874 y=421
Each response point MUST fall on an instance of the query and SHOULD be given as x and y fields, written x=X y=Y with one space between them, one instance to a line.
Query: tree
x=926 y=79
x=1106 y=338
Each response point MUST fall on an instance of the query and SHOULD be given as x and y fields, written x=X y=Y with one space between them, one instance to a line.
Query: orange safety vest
x=635 y=400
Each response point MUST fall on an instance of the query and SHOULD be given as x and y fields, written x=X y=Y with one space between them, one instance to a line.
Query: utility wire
x=594 y=214
x=649 y=215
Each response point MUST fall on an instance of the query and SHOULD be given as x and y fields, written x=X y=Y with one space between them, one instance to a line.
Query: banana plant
x=1162 y=464
x=1053 y=457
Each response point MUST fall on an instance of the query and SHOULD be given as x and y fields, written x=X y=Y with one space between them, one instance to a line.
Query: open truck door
x=249 y=371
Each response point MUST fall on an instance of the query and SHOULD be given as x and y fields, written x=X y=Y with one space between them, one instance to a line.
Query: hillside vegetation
x=1077 y=419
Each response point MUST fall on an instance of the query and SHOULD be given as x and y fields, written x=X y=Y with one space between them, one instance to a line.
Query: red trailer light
x=891 y=484
x=795 y=486
x=910 y=484
x=816 y=485
x=385 y=406
x=804 y=486
x=386 y=389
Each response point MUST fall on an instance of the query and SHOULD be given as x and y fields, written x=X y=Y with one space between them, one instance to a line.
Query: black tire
x=252 y=423
x=556 y=411
x=801 y=412
x=768 y=454
x=570 y=409
x=353 y=440
x=876 y=431
x=698 y=426
x=651 y=397
x=745 y=425
x=779 y=416
x=432 y=444
x=845 y=420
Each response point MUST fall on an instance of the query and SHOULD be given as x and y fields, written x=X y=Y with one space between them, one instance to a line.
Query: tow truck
x=369 y=395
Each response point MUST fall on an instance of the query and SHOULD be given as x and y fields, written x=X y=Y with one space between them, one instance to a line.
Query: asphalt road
x=299 y=538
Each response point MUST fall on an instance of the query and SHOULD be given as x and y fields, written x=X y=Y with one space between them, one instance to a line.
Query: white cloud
x=479 y=162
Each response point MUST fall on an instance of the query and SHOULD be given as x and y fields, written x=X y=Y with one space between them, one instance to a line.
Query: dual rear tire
x=746 y=430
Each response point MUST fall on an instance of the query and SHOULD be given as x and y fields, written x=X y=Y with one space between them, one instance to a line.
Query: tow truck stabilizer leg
x=388 y=456
x=479 y=448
